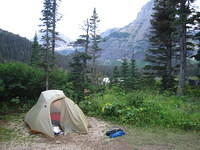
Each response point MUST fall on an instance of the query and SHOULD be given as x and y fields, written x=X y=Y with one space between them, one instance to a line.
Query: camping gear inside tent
x=54 y=110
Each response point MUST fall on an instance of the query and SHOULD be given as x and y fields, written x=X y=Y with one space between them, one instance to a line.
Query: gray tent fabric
x=72 y=119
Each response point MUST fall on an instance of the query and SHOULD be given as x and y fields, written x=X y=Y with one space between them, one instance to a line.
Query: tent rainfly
x=71 y=117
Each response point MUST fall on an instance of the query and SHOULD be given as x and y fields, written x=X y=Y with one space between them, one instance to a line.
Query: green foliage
x=115 y=76
x=133 y=74
x=14 y=48
x=6 y=134
x=135 y=99
x=58 y=78
x=3 y=109
x=20 y=80
x=36 y=55
x=90 y=107
x=192 y=91
x=145 y=108
x=21 y=85
x=77 y=76
x=15 y=100
x=112 y=109
x=125 y=74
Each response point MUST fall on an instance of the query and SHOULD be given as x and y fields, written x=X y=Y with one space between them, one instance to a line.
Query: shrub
x=20 y=80
x=112 y=109
x=135 y=99
x=20 y=83
x=146 y=108
x=90 y=107
x=192 y=91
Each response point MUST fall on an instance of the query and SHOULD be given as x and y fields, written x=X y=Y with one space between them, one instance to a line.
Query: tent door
x=55 y=113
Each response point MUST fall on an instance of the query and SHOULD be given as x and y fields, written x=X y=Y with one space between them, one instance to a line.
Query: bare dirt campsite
x=14 y=135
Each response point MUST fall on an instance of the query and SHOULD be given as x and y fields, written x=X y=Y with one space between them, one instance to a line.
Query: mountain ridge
x=133 y=38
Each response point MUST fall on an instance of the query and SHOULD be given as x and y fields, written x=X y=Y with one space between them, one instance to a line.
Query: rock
x=131 y=38
x=58 y=142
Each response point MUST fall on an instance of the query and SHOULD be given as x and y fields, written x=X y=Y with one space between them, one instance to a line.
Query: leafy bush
x=21 y=84
x=112 y=109
x=146 y=108
x=135 y=99
x=3 y=109
x=20 y=80
x=192 y=91
x=89 y=107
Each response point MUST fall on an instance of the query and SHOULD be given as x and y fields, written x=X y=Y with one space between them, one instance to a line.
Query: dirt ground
x=18 y=137
x=94 y=140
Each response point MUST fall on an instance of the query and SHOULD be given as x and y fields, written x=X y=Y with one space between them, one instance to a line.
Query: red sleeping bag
x=55 y=116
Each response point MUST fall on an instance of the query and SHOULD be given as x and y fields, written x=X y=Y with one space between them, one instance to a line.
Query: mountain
x=66 y=51
x=133 y=38
x=108 y=32
x=62 y=42
x=14 y=47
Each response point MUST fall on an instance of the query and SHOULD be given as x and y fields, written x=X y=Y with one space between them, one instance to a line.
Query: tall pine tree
x=133 y=77
x=46 y=36
x=95 y=40
x=125 y=75
x=77 y=76
x=83 y=42
x=36 y=55
x=197 y=38
x=55 y=19
x=162 y=41
x=184 y=11
x=48 y=30
x=115 y=76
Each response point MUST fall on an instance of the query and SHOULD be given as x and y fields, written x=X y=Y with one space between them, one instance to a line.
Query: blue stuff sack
x=116 y=134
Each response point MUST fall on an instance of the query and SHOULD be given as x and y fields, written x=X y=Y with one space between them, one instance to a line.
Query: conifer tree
x=115 y=76
x=184 y=11
x=125 y=75
x=85 y=39
x=133 y=74
x=55 y=19
x=83 y=42
x=162 y=41
x=46 y=36
x=77 y=76
x=95 y=40
x=197 y=38
x=48 y=30
x=36 y=55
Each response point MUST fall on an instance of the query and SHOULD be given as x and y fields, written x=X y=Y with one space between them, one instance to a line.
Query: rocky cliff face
x=130 y=39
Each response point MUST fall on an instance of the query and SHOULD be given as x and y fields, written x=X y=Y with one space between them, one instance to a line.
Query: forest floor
x=14 y=135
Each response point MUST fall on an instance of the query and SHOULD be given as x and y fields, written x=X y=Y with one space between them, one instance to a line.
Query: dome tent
x=71 y=117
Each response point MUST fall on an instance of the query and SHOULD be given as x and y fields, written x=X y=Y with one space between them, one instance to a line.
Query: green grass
x=146 y=108
x=165 y=139
x=12 y=127
x=6 y=134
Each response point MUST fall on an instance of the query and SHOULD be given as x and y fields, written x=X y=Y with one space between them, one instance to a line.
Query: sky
x=22 y=16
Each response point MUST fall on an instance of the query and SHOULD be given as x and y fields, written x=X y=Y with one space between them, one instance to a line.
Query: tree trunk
x=87 y=41
x=47 y=78
x=86 y=51
x=182 y=74
x=47 y=59
x=169 y=67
